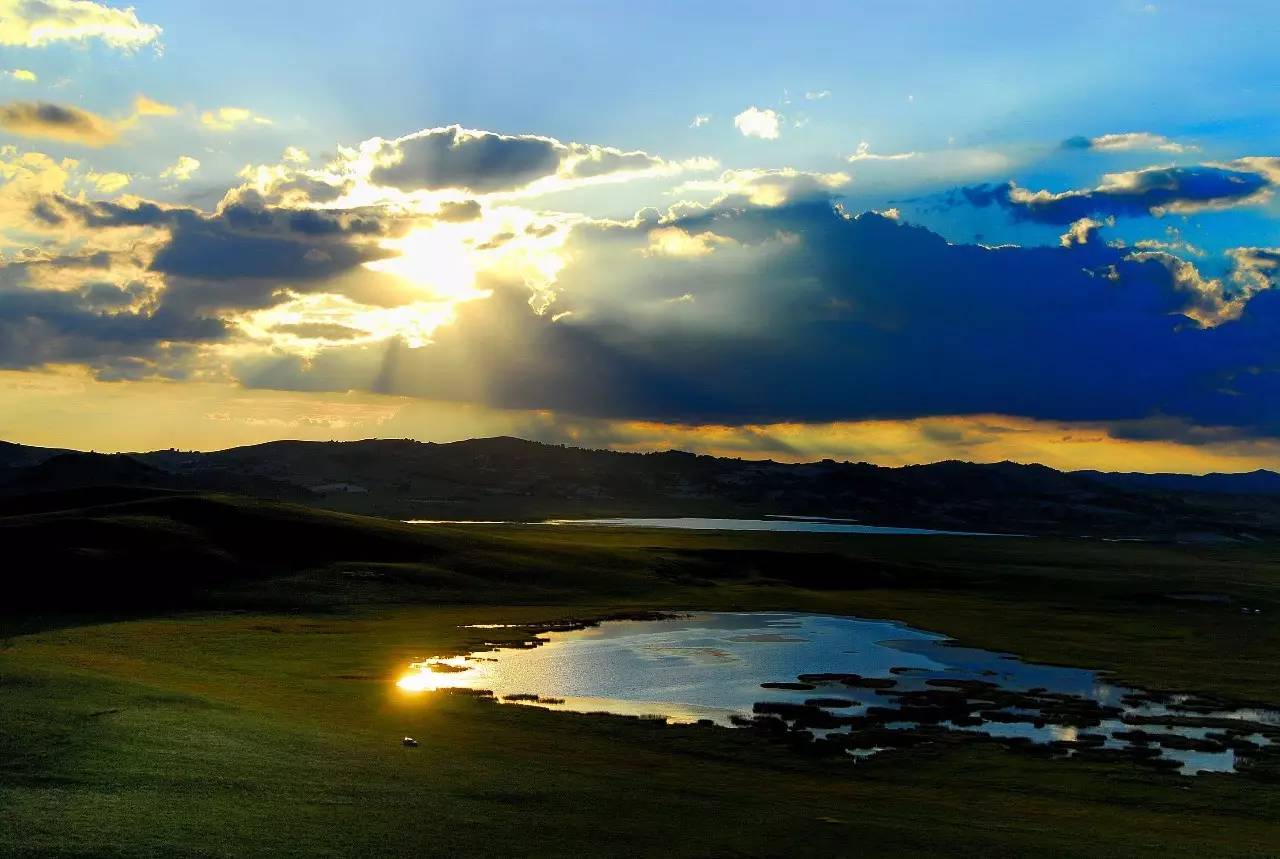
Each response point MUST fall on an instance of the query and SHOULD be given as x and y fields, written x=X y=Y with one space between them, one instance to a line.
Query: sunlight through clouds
x=683 y=259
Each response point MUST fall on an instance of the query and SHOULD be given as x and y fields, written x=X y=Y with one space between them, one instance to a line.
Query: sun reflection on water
x=430 y=675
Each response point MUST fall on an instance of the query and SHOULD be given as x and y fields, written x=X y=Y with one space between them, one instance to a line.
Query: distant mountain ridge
x=1259 y=482
x=511 y=478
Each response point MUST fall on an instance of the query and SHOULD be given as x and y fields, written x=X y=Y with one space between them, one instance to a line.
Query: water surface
x=816 y=525
x=880 y=676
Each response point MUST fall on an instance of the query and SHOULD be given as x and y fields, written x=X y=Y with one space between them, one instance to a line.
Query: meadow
x=257 y=713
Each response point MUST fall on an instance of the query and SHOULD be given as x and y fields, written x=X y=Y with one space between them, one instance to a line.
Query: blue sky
x=202 y=202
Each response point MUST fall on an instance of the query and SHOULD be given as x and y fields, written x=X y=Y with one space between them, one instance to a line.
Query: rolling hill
x=509 y=478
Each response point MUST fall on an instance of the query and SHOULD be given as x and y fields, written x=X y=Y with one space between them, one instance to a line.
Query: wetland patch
x=855 y=687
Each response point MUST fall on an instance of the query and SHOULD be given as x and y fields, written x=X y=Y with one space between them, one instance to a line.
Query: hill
x=510 y=478
x=1259 y=482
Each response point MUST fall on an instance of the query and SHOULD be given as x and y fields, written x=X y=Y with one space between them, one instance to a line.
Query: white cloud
x=768 y=187
x=182 y=169
x=1082 y=232
x=675 y=242
x=143 y=106
x=817 y=95
x=108 y=183
x=296 y=155
x=700 y=120
x=231 y=118
x=37 y=24
x=864 y=153
x=1138 y=141
x=754 y=122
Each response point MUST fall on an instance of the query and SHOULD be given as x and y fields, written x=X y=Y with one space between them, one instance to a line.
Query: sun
x=438 y=260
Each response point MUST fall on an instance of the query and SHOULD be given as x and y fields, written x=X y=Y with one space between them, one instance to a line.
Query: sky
x=885 y=232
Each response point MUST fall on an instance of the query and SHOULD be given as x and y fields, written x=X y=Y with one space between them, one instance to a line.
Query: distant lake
x=861 y=686
x=815 y=525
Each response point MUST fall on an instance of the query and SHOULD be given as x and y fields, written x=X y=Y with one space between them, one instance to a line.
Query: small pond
x=851 y=686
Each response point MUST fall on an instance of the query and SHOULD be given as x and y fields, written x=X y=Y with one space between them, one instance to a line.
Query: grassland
x=253 y=711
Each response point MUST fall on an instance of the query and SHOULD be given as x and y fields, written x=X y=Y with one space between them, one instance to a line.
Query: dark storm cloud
x=200 y=268
x=94 y=326
x=1134 y=194
x=814 y=316
x=135 y=330
x=208 y=250
x=55 y=209
x=242 y=256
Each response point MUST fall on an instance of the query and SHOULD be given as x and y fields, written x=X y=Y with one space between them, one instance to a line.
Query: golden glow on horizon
x=66 y=407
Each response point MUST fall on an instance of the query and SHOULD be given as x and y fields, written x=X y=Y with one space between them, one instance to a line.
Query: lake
x=815 y=525
x=853 y=685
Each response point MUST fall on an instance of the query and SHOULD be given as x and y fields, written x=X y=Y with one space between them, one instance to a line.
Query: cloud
x=38 y=23
x=458 y=211
x=768 y=304
x=675 y=242
x=284 y=261
x=700 y=120
x=817 y=95
x=484 y=162
x=820 y=316
x=754 y=122
x=290 y=185
x=27 y=178
x=1253 y=270
x=587 y=161
x=1210 y=300
x=182 y=169
x=143 y=106
x=1130 y=141
x=111 y=328
x=761 y=301
x=231 y=118
x=319 y=331
x=1152 y=191
x=56 y=122
x=1082 y=232
x=242 y=256
x=767 y=187
x=455 y=157
x=108 y=183
x=25 y=75
x=73 y=124
x=864 y=153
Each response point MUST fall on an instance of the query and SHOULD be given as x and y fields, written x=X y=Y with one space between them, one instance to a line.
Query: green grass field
x=274 y=728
